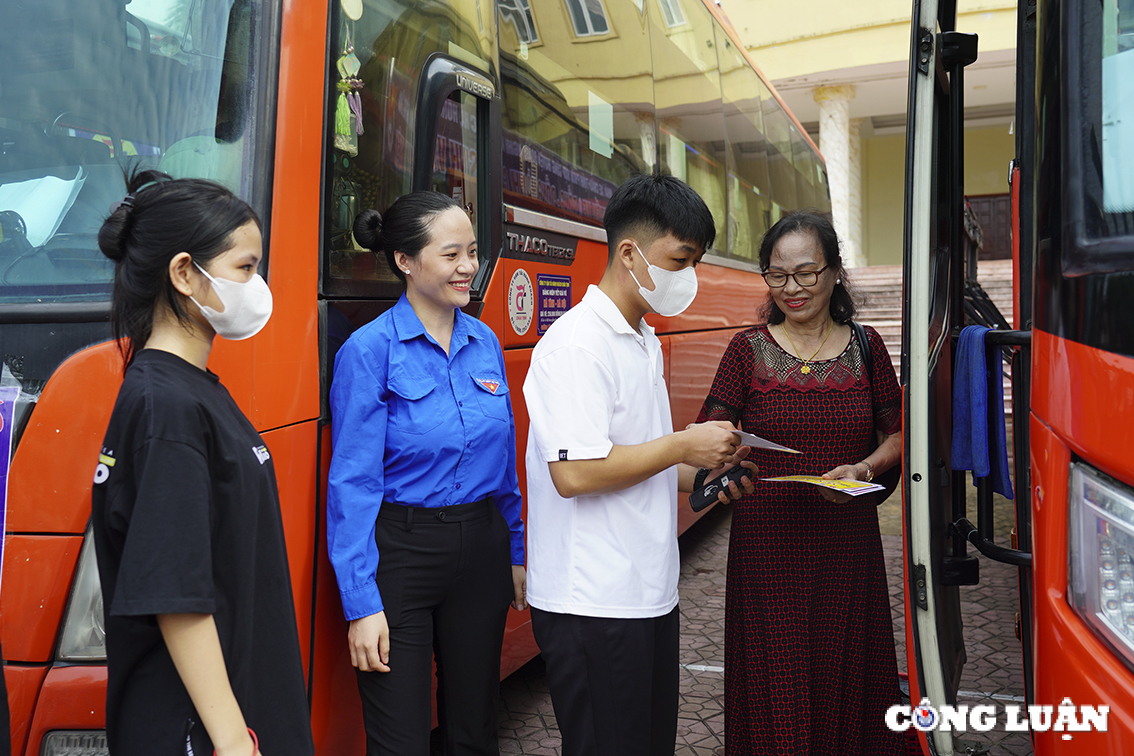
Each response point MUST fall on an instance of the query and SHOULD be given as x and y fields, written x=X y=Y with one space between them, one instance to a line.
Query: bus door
x=936 y=562
x=942 y=296
x=412 y=104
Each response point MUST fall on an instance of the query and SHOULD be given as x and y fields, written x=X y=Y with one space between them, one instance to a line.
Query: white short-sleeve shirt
x=595 y=382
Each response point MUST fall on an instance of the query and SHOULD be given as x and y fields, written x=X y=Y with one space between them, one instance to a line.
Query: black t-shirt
x=187 y=520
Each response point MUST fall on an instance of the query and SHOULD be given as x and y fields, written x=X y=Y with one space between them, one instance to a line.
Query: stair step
x=880 y=300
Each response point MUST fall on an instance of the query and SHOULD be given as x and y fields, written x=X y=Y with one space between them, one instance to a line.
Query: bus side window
x=687 y=89
x=577 y=102
x=455 y=156
x=377 y=64
x=460 y=165
x=749 y=191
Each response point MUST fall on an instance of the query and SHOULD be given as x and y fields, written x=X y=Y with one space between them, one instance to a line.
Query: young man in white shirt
x=604 y=468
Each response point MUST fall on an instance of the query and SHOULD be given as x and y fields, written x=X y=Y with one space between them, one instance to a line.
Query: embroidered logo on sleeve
x=105 y=462
x=562 y=455
x=489 y=383
x=261 y=453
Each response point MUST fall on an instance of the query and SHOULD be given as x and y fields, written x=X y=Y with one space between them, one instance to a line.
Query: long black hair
x=159 y=218
x=405 y=227
x=810 y=221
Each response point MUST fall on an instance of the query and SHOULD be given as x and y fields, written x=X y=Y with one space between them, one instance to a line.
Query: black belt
x=455 y=513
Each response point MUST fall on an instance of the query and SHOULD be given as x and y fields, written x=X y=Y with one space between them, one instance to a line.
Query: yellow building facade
x=842 y=69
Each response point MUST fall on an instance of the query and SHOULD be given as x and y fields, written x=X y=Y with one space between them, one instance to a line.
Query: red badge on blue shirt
x=489 y=384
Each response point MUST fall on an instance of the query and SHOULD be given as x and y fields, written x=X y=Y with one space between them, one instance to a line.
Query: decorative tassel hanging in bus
x=348 y=109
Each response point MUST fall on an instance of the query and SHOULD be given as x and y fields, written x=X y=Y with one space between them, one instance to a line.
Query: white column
x=855 y=255
x=835 y=143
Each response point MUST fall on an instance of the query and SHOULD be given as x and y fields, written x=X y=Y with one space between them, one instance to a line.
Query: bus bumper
x=69 y=698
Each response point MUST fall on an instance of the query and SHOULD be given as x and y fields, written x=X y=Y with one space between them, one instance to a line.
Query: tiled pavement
x=993 y=671
x=991 y=676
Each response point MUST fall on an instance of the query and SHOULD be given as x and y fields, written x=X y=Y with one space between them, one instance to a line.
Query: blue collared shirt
x=412 y=425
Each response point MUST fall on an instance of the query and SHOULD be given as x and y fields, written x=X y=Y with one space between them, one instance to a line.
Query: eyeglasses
x=804 y=278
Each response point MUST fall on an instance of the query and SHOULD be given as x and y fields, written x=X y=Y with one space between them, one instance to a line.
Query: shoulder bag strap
x=864 y=347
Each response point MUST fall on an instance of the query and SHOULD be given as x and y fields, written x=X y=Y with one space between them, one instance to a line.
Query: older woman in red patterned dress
x=809 y=648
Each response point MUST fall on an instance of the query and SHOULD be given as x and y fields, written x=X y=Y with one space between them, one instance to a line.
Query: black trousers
x=446 y=580
x=613 y=682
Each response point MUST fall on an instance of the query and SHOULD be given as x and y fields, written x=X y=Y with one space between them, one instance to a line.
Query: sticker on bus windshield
x=8 y=396
x=521 y=302
x=553 y=298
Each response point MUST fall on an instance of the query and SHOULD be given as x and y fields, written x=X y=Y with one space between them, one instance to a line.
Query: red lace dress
x=809 y=647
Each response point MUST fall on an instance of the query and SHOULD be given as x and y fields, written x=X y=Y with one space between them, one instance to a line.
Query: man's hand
x=710 y=444
x=732 y=492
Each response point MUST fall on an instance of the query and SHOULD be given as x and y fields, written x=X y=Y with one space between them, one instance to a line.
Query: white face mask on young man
x=247 y=306
x=674 y=290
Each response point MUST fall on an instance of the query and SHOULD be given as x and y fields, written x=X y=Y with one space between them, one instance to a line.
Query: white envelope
x=749 y=439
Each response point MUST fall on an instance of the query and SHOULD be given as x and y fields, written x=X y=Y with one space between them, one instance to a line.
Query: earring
x=838 y=281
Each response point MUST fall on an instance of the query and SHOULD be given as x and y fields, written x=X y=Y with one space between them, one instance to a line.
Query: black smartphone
x=707 y=494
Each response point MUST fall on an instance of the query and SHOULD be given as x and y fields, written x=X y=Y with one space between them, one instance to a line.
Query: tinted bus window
x=781 y=168
x=687 y=94
x=455 y=154
x=375 y=66
x=90 y=88
x=804 y=161
x=749 y=196
x=577 y=104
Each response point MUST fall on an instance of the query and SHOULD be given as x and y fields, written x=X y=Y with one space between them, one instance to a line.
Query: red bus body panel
x=293 y=455
x=726 y=298
x=1070 y=660
x=71 y=414
x=71 y=698
x=37 y=581
x=282 y=361
x=332 y=677
x=23 y=683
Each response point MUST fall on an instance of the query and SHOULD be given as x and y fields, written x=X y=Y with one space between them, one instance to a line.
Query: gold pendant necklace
x=806 y=367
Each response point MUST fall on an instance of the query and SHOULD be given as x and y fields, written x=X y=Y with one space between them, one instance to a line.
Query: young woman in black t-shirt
x=202 y=646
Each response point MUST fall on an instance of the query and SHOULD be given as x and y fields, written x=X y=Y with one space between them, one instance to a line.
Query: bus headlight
x=1101 y=556
x=84 y=629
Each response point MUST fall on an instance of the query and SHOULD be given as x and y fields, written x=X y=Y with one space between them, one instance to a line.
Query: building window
x=673 y=13
x=519 y=14
x=588 y=17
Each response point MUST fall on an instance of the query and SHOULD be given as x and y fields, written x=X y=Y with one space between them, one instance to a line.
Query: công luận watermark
x=1066 y=718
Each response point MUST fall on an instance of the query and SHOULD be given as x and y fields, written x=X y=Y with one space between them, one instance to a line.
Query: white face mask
x=247 y=306
x=674 y=290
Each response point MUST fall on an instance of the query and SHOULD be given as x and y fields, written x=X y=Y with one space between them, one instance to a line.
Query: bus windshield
x=1101 y=141
x=1118 y=114
x=88 y=91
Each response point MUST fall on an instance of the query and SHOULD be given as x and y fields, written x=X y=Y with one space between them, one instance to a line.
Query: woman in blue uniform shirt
x=423 y=503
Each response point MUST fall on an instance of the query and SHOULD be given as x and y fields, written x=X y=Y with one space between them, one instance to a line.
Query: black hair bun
x=368 y=229
x=110 y=235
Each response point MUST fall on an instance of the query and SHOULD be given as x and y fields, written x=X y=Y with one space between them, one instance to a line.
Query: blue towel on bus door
x=978 y=394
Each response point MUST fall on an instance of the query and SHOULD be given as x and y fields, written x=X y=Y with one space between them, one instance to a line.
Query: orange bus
x=529 y=112
x=1068 y=345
